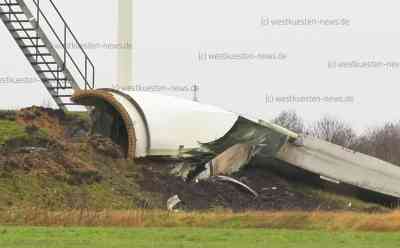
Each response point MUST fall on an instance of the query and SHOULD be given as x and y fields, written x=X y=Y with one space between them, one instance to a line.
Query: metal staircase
x=60 y=71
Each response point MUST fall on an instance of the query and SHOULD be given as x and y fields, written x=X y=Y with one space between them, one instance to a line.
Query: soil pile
x=275 y=193
x=58 y=147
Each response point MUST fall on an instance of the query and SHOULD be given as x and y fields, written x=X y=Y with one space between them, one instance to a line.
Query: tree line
x=382 y=142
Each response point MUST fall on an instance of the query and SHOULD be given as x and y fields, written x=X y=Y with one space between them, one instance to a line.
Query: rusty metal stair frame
x=51 y=68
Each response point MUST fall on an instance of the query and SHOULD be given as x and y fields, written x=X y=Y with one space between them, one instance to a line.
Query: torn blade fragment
x=237 y=182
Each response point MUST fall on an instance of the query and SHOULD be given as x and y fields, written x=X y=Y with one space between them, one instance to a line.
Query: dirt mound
x=46 y=148
x=47 y=119
x=50 y=160
x=90 y=171
x=274 y=192
x=106 y=146
x=56 y=122
x=47 y=158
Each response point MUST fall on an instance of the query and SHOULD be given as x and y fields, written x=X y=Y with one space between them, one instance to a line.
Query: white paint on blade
x=142 y=141
x=329 y=179
x=357 y=169
x=175 y=122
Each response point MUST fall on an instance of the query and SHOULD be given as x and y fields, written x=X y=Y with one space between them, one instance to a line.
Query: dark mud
x=275 y=193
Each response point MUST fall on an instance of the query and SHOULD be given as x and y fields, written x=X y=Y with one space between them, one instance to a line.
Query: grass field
x=220 y=229
x=10 y=129
x=15 y=237
x=316 y=221
x=44 y=203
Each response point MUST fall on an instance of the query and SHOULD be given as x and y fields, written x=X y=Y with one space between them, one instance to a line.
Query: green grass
x=80 y=115
x=13 y=237
x=11 y=130
x=24 y=190
x=51 y=187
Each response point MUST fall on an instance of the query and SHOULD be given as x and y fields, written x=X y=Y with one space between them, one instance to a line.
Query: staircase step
x=33 y=46
x=19 y=21
x=69 y=104
x=54 y=80
x=44 y=63
x=60 y=88
x=52 y=70
x=12 y=12
x=9 y=4
x=28 y=38
x=43 y=71
x=22 y=29
x=37 y=54
x=62 y=96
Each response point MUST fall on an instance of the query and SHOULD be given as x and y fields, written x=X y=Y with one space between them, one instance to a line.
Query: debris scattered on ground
x=237 y=182
x=30 y=149
x=106 y=146
x=214 y=193
x=172 y=202
x=60 y=148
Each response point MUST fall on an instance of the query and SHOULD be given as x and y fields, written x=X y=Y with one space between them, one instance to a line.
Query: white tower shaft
x=125 y=37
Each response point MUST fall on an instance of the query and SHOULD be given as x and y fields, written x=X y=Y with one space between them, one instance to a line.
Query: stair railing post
x=37 y=28
x=93 y=76
x=65 y=46
x=9 y=9
x=58 y=76
x=38 y=58
x=86 y=81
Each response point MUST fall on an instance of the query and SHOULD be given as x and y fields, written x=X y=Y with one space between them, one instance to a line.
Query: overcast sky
x=322 y=49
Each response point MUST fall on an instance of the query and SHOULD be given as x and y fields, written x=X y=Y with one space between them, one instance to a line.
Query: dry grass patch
x=382 y=222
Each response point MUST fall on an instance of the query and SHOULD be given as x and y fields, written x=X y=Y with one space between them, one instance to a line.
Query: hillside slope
x=50 y=160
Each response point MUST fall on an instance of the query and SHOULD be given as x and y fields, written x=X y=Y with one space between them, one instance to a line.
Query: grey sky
x=170 y=35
